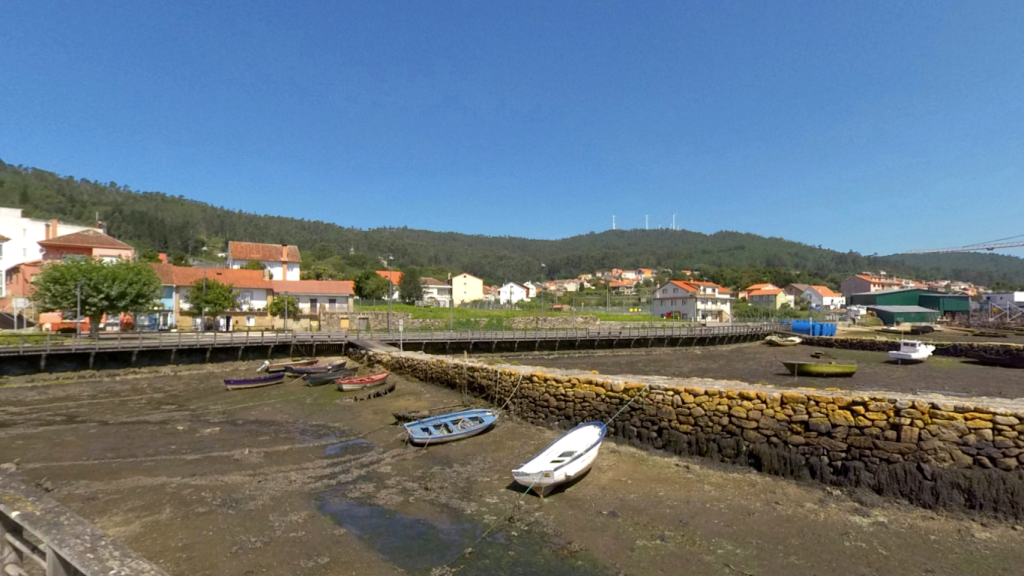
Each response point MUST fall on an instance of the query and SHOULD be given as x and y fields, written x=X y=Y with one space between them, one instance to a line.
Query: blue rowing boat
x=317 y=368
x=450 y=427
x=258 y=382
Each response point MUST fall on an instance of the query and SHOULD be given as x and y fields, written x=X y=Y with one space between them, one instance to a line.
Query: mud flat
x=294 y=480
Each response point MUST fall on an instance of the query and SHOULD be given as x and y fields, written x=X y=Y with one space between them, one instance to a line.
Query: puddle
x=359 y=444
x=418 y=545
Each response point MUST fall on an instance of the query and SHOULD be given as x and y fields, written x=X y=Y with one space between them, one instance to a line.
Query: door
x=344 y=323
x=364 y=323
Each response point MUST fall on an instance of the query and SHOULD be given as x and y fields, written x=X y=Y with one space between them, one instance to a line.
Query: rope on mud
x=501 y=520
x=514 y=390
x=609 y=421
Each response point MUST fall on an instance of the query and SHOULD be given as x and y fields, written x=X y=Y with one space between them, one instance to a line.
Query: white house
x=824 y=298
x=532 y=289
x=435 y=292
x=466 y=288
x=22 y=239
x=1004 y=299
x=692 y=301
x=317 y=296
x=512 y=292
x=281 y=259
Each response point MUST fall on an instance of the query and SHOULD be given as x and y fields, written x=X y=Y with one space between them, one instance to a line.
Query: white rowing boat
x=565 y=459
x=912 y=351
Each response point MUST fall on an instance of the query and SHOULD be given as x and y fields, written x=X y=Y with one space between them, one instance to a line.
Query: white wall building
x=692 y=301
x=466 y=288
x=1004 y=298
x=23 y=237
x=823 y=297
x=435 y=292
x=512 y=292
x=281 y=259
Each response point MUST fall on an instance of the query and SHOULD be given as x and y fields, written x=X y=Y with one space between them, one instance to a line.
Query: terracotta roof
x=340 y=287
x=428 y=281
x=394 y=275
x=765 y=292
x=263 y=252
x=86 y=239
x=684 y=285
x=824 y=291
x=171 y=275
x=761 y=286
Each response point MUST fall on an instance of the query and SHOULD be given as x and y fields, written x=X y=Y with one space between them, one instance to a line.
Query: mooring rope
x=626 y=405
x=514 y=390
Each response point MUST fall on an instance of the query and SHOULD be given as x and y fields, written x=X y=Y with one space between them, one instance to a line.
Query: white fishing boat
x=565 y=459
x=912 y=351
x=775 y=340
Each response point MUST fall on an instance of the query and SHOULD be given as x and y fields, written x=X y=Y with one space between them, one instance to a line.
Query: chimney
x=163 y=257
x=51 y=230
x=284 y=252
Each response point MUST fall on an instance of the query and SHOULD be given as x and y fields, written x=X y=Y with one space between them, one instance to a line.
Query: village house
x=22 y=237
x=281 y=260
x=644 y=273
x=251 y=285
x=689 y=300
x=774 y=298
x=490 y=294
x=570 y=285
x=466 y=288
x=1004 y=300
x=623 y=287
x=823 y=297
x=437 y=293
x=745 y=293
x=395 y=278
x=628 y=275
x=868 y=282
x=795 y=291
x=313 y=298
x=512 y=293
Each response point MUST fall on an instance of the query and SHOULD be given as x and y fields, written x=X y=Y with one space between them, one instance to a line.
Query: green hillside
x=151 y=220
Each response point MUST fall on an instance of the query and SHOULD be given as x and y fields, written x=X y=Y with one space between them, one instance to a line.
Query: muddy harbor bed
x=758 y=363
x=290 y=480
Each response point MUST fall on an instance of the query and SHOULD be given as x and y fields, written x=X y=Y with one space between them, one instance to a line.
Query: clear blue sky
x=872 y=126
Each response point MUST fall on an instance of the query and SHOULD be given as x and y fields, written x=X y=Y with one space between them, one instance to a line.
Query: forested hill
x=151 y=220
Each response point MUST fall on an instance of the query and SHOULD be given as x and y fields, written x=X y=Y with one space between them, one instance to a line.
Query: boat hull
x=820 y=369
x=450 y=427
x=362 y=382
x=329 y=377
x=259 y=382
x=545 y=471
x=779 y=341
x=316 y=368
x=282 y=366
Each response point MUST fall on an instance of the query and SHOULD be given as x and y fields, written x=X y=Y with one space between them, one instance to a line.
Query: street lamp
x=391 y=290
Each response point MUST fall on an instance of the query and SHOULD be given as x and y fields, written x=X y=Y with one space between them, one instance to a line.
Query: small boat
x=993 y=360
x=565 y=459
x=891 y=330
x=774 y=340
x=257 y=382
x=919 y=330
x=912 y=351
x=316 y=368
x=362 y=382
x=820 y=368
x=282 y=366
x=328 y=377
x=450 y=427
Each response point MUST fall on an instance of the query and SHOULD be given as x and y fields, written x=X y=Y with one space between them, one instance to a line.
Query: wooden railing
x=37 y=530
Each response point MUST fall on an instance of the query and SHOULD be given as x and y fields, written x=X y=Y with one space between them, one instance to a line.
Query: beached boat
x=565 y=459
x=450 y=427
x=774 y=340
x=315 y=368
x=329 y=377
x=257 y=382
x=912 y=351
x=820 y=368
x=993 y=360
x=282 y=366
x=362 y=382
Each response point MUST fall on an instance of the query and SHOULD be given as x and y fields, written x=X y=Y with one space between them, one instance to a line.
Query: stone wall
x=955 y=349
x=331 y=322
x=940 y=454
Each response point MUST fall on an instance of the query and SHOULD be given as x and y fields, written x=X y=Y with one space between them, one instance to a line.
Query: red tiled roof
x=263 y=252
x=688 y=286
x=824 y=291
x=172 y=275
x=394 y=275
x=765 y=292
x=428 y=281
x=761 y=286
x=86 y=239
x=340 y=287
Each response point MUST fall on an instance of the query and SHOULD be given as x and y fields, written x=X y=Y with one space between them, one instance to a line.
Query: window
x=332 y=304
x=245 y=298
x=312 y=305
x=250 y=321
x=675 y=290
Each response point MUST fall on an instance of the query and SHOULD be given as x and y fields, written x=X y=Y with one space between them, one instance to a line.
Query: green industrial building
x=911 y=305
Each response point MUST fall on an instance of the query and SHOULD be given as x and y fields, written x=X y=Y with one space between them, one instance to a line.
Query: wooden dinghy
x=826 y=369
x=362 y=382
x=257 y=382
x=316 y=368
x=450 y=427
x=282 y=366
x=565 y=459
x=328 y=377
x=773 y=340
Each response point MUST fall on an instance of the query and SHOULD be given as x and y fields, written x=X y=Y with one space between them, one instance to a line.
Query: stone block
x=754 y=437
x=819 y=425
x=744 y=423
x=1007 y=464
x=796 y=440
x=793 y=398
x=978 y=424
x=909 y=434
x=841 y=418
x=738 y=412
x=1006 y=420
x=978 y=416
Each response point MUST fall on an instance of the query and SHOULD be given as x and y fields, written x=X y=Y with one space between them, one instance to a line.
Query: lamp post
x=78 y=311
x=543 y=276
x=391 y=291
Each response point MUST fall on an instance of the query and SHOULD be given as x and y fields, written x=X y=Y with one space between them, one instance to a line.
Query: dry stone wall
x=938 y=454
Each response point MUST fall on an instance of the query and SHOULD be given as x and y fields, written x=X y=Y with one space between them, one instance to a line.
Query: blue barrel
x=801 y=327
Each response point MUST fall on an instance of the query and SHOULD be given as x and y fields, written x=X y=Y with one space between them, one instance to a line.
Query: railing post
x=57 y=566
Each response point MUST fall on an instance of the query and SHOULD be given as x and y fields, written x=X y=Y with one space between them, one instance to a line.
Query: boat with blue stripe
x=450 y=427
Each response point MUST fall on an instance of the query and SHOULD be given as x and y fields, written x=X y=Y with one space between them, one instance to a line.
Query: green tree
x=180 y=259
x=319 y=272
x=253 y=265
x=410 y=289
x=210 y=298
x=281 y=303
x=106 y=288
x=150 y=257
x=322 y=251
x=370 y=285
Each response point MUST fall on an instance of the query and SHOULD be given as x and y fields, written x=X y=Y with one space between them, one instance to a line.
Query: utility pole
x=646 y=221
x=285 y=296
x=202 y=307
x=78 y=311
x=391 y=292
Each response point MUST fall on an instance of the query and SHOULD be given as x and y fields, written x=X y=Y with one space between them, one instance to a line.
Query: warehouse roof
x=902 y=309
